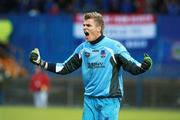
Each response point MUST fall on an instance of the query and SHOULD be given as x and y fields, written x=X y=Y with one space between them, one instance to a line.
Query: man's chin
x=87 y=38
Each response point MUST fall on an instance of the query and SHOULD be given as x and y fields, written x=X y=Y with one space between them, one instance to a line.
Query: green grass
x=67 y=113
x=149 y=114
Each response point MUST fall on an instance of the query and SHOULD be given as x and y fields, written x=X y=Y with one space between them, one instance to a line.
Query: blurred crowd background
x=50 y=26
x=170 y=7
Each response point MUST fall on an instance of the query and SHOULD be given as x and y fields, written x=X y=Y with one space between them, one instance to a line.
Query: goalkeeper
x=102 y=60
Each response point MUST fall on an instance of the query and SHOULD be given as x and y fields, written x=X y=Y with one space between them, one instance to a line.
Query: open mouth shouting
x=86 y=34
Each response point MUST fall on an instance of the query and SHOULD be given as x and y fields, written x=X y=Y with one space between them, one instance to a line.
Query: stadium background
x=51 y=28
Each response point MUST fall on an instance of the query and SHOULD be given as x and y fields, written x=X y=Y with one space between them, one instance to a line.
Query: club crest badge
x=103 y=53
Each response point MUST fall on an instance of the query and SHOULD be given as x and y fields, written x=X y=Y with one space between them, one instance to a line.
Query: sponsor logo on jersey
x=95 y=50
x=96 y=65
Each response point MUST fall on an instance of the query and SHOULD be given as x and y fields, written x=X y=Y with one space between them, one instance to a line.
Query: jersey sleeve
x=128 y=63
x=70 y=65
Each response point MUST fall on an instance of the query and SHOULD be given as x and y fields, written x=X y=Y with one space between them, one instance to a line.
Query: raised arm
x=131 y=65
x=134 y=67
x=70 y=65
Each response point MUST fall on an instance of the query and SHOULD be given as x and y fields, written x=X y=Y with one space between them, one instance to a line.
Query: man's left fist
x=147 y=63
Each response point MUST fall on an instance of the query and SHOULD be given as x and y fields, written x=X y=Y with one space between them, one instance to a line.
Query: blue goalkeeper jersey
x=102 y=65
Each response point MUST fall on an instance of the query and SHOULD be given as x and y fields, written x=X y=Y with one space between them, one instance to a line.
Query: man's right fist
x=35 y=56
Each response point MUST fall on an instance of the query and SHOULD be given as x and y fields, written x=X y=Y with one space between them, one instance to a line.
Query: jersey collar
x=97 y=40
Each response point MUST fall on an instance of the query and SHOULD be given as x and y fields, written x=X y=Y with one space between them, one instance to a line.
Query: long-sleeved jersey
x=102 y=65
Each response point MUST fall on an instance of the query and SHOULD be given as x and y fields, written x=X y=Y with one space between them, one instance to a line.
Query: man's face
x=91 y=30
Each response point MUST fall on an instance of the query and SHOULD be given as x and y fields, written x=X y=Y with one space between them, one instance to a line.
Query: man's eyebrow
x=87 y=24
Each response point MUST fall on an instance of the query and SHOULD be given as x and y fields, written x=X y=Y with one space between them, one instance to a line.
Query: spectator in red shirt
x=39 y=85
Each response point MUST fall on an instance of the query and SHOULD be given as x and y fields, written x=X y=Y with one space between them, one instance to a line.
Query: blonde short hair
x=98 y=18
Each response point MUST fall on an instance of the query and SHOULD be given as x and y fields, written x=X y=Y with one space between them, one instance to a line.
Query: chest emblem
x=87 y=54
x=103 y=53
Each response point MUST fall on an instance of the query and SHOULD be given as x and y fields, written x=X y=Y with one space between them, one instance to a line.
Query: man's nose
x=84 y=26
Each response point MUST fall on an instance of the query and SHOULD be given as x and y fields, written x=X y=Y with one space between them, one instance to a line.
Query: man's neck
x=97 y=40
